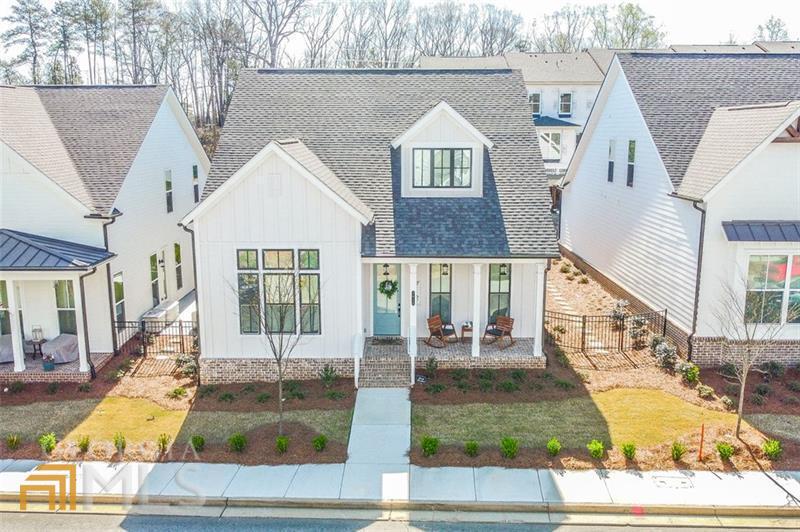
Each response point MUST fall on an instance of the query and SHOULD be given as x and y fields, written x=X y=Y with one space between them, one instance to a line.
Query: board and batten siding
x=767 y=187
x=639 y=237
x=275 y=207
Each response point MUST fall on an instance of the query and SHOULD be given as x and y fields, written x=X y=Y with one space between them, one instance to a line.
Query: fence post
x=143 y=336
x=621 y=340
x=583 y=332
x=664 y=326
x=180 y=331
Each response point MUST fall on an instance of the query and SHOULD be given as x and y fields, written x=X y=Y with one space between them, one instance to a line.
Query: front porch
x=377 y=346
x=67 y=372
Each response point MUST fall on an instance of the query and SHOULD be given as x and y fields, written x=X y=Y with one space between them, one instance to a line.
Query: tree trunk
x=280 y=397
x=740 y=412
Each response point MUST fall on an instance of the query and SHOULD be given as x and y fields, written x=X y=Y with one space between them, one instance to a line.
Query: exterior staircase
x=385 y=371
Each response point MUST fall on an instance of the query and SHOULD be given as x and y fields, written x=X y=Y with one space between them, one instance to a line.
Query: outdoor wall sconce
x=386 y=270
x=445 y=269
x=503 y=269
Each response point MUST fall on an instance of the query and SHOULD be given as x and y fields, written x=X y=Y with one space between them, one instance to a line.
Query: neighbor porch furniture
x=36 y=347
x=63 y=348
x=501 y=328
x=466 y=329
x=440 y=332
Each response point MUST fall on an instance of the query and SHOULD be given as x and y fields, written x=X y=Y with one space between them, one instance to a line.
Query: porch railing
x=156 y=337
x=603 y=332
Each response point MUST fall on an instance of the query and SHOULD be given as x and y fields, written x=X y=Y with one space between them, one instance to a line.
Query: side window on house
x=154 y=288
x=499 y=290
x=612 y=150
x=168 y=188
x=535 y=101
x=119 y=298
x=442 y=168
x=195 y=184
x=441 y=291
x=773 y=280
x=178 y=266
x=65 y=305
x=565 y=104
x=249 y=298
x=5 y=315
x=631 y=161
x=551 y=146
x=279 y=302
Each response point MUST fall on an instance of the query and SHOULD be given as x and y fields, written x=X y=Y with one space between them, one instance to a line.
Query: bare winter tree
x=29 y=21
x=773 y=29
x=319 y=29
x=446 y=28
x=280 y=19
x=500 y=30
x=749 y=327
x=65 y=43
x=624 y=26
x=562 y=31
x=356 y=36
x=392 y=29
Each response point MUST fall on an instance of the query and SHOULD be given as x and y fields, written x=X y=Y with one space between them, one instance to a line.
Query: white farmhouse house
x=93 y=182
x=385 y=197
x=687 y=186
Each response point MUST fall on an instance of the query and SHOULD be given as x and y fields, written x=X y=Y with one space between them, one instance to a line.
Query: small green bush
x=705 y=392
x=790 y=400
x=48 y=442
x=655 y=341
x=553 y=446
x=431 y=366
x=430 y=445
x=16 y=387
x=247 y=388
x=485 y=385
x=463 y=386
x=690 y=372
x=460 y=374
x=725 y=450
x=563 y=384
x=263 y=397
x=13 y=441
x=583 y=279
x=727 y=402
x=732 y=389
x=775 y=370
x=237 y=442
x=793 y=385
x=561 y=357
x=772 y=449
x=487 y=374
x=565 y=268
x=163 y=442
x=328 y=375
x=596 y=449
x=205 y=391
x=435 y=388
x=120 y=442
x=763 y=389
x=508 y=386
x=177 y=393
x=86 y=387
x=282 y=444
x=629 y=450
x=83 y=443
x=518 y=375
x=570 y=277
x=335 y=395
x=52 y=388
x=197 y=442
x=509 y=447
x=226 y=397
x=546 y=375
x=319 y=443
x=471 y=448
x=292 y=390
x=757 y=399
x=677 y=451
x=728 y=369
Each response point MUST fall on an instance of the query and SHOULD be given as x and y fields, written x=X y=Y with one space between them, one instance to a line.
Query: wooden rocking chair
x=439 y=332
x=501 y=328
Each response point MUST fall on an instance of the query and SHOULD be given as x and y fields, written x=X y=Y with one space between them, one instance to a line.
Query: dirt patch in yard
x=263 y=396
x=578 y=293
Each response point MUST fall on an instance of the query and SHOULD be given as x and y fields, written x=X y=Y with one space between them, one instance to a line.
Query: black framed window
x=279 y=302
x=119 y=297
x=278 y=259
x=631 y=161
x=612 y=151
x=441 y=291
x=178 y=266
x=247 y=259
x=309 y=303
x=565 y=104
x=154 y=284
x=249 y=304
x=308 y=259
x=65 y=304
x=168 y=188
x=195 y=183
x=535 y=101
x=499 y=290
x=442 y=167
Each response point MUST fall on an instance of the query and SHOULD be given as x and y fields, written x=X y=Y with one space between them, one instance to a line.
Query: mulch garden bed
x=581 y=292
x=764 y=394
x=263 y=396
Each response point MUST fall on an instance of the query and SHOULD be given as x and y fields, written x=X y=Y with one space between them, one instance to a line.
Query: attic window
x=442 y=167
x=565 y=104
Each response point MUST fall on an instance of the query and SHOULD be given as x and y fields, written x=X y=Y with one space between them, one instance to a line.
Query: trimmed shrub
x=563 y=384
x=16 y=387
x=485 y=385
x=335 y=395
x=464 y=386
x=471 y=448
x=48 y=442
x=197 y=442
x=677 y=451
x=705 y=392
x=120 y=442
x=206 y=390
x=690 y=372
x=328 y=376
x=727 y=402
x=728 y=369
x=83 y=444
x=666 y=355
x=247 y=388
x=732 y=389
x=570 y=277
x=518 y=375
x=583 y=279
x=775 y=369
x=263 y=397
x=237 y=442
x=757 y=399
x=793 y=385
x=460 y=374
x=292 y=390
x=725 y=450
x=655 y=341
x=553 y=446
x=13 y=441
x=565 y=268
x=435 y=388
x=763 y=389
x=431 y=367
x=430 y=445
x=772 y=449
x=226 y=397
x=790 y=400
x=282 y=444
x=319 y=443
x=86 y=387
x=177 y=393
x=509 y=447
x=596 y=449
x=629 y=450
x=163 y=442
x=52 y=388
x=508 y=386
x=487 y=374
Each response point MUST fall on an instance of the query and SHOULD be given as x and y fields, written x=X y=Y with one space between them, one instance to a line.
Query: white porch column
x=538 y=321
x=358 y=339
x=83 y=357
x=476 y=310
x=16 y=331
x=412 y=311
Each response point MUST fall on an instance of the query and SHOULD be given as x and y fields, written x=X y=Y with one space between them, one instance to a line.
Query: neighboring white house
x=340 y=183
x=692 y=162
x=93 y=183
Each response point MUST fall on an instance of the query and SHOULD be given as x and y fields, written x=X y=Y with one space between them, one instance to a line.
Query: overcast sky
x=684 y=21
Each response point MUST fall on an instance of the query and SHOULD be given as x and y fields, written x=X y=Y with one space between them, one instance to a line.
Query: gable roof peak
x=428 y=117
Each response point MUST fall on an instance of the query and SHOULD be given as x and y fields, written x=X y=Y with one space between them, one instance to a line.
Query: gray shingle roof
x=25 y=251
x=99 y=128
x=348 y=119
x=677 y=93
x=762 y=231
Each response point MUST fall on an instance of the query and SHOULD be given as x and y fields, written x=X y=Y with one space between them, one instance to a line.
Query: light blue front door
x=386 y=310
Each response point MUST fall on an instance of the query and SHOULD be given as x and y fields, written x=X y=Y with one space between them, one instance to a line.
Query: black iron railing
x=603 y=332
x=156 y=337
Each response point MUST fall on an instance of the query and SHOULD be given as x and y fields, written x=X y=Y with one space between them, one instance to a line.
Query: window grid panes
x=631 y=161
x=309 y=303
x=499 y=290
x=249 y=303
x=565 y=104
x=278 y=259
x=535 y=100
x=308 y=259
x=247 y=259
x=119 y=297
x=773 y=289
x=441 y=291
x=154 y=288
x=279 y=302
x=65 y=304
x=195 y=184
x=442 y=168
x=168 y=188
x=178 y=266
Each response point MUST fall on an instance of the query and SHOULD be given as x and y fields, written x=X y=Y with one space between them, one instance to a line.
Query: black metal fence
x=603 y=332
x=156 y=337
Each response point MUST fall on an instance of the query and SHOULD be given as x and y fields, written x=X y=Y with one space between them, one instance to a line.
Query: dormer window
x=565 y=104
x=442 y=168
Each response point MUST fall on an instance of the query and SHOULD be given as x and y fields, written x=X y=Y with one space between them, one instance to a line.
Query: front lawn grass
x=34 y=419
x=138 y=420
x=645 y=416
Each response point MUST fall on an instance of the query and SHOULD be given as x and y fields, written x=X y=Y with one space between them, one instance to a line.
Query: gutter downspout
x=86 y=322
x=112 y=218
x=696 y=205
x=194 y=273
